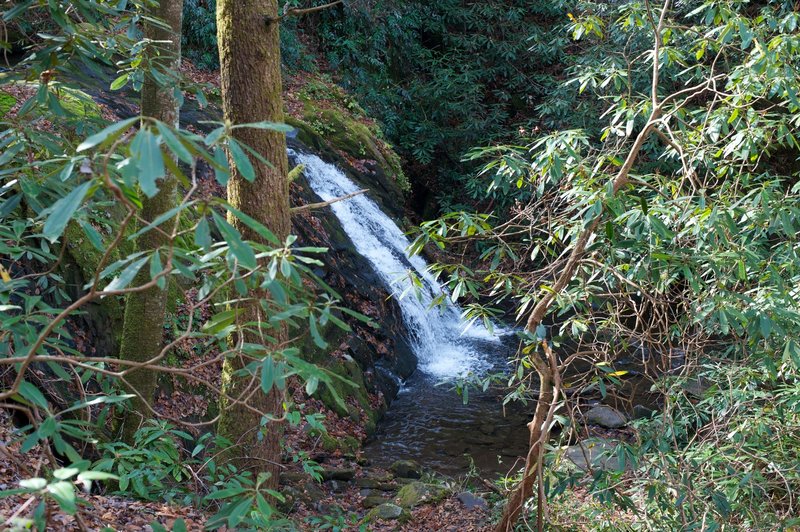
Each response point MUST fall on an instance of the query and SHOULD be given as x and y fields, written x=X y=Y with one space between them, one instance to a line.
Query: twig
x=322 y=204
x=298 y=11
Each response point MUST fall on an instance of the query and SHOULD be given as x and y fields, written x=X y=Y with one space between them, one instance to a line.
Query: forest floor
x=99 y=511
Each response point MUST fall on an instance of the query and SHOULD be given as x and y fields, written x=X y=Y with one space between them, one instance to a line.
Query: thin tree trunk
x=537 y=436
x=143 y=327
x=250 y=69
x=521 y=493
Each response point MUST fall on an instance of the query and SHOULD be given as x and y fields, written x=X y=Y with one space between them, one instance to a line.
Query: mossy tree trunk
x=143 y=328
x=250 y=71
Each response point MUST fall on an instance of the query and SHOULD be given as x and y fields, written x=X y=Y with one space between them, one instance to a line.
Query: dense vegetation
x=621 y=179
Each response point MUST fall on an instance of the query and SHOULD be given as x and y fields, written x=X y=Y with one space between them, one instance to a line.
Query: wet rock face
x=383 y=354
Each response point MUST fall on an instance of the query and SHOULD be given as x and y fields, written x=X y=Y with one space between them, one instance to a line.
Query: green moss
x=78 y=104
x=6 y=103
x=417 y=493
x=346 y=444
x=332 y=117
x=87 y=258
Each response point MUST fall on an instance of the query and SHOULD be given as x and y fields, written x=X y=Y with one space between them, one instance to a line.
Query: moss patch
x=78 y=104
x=324 y=113
x=87 y=258
x=6 y=103
x=417 y=493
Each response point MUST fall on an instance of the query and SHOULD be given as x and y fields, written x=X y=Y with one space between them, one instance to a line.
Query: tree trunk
x=250 y=72
x=538 y=436
x=143 y=326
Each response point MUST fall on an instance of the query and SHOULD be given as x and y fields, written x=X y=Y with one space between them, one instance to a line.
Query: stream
x=428 y=421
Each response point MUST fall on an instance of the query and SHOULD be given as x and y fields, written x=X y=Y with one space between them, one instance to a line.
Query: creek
x=428 y=421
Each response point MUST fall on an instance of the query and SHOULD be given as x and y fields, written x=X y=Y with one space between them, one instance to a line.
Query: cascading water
x=440 y=338
x=427 y=421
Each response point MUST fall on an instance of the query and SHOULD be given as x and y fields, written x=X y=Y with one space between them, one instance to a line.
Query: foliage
x=153 y=468
x=200 y=38
x=443 y=76
x=67 y=177
x=62 y=489
x=686 y=203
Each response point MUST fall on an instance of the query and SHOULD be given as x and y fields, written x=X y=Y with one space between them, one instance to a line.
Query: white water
x=440 y=337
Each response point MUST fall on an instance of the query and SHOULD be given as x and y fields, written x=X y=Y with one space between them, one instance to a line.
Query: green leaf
x=120 y=82
x=315 y=335
x=127 y=275
x=272 y=126
x=174 y=144
x=202 y=234
x=255 y=225
x=96 y=475
x=156 y=268
x=243 y=252
x=792 y=352
x=160 y=219
x=267 y=374
x=108 y=134
x=221 y=169
x=242 y=161
x=33 y=483
x=91 y=233
x=31 y=393
x=66 y=473
x=224 y=493
x=62 y=211
x=220 y=321
x=64 y=494
x=238 y=512
x=765 y=324
x=149 y=160
x=311 y=385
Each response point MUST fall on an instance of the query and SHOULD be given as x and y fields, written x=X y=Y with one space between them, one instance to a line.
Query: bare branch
x=322 y=204
x=297 y=11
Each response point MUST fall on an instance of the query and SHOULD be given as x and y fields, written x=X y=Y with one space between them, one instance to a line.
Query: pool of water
x=430 y=423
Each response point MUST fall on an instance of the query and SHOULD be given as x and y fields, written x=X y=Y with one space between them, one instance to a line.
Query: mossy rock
x=417 y=493
x=346 y=444
x=388 y=512
x=406 y=469
x=338 y=126
x=355 y=387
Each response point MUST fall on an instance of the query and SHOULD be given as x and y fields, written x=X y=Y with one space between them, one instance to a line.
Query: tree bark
x=143 y=327
x=250 y=72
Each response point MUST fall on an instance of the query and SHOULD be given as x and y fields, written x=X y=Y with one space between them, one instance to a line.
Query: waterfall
x=445 y=345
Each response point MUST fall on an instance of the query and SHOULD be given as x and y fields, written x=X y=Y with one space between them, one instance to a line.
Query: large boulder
x=607 y=417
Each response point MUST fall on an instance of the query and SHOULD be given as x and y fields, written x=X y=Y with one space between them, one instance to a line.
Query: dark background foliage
x=442 y=77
